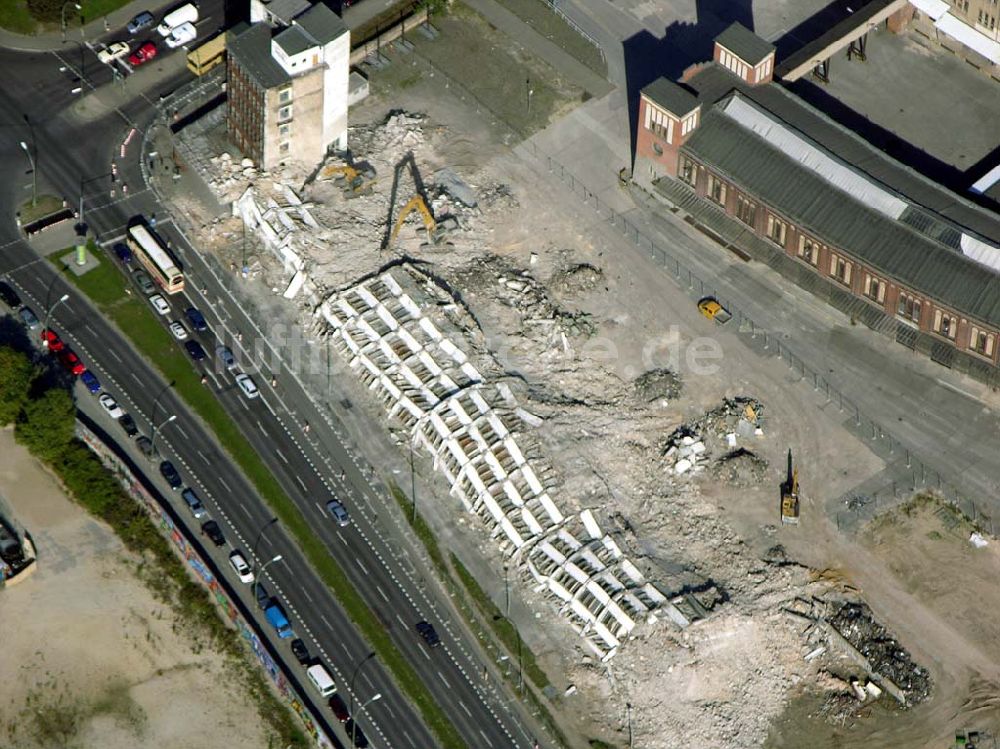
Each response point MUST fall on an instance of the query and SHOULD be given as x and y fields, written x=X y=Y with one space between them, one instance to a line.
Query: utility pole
x=413 y=486
x=78 y=7
x=156 y=428
x=34 y=174
x=48 y=313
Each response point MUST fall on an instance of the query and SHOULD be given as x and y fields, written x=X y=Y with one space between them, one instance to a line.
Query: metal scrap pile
x=735 y=419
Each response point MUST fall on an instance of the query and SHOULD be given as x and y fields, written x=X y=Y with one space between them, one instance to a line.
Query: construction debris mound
x=740 y=467
x=656 y=385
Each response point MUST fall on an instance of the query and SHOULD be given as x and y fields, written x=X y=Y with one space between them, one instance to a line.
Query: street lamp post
x=354 y=676
x=65 y=5
x=48 y=313
x=260 y=533
x=263 y=569
x=354 y=725
x=506 y=588
x=156 y=428
x=34 y=173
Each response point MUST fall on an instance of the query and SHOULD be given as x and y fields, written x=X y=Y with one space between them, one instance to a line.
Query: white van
x=184 y=14
x=321 y=679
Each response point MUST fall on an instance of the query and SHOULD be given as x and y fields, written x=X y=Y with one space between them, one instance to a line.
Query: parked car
x=145 y=445
x=110 y=405
x=429 y=634
x=71 y=362
x=226 y=358
x=178 y=329
x=248 y=386
x=112 y=52
x=142 y=21
x=142 y=54
x=240 y=567
x=211 y=529
x=160 y=304
x=144 y=282
x=9 y=296
x=181 y=35
x=127 y=423
x=339 y=512
x=194 y=503
x=300 y=651
x=29 y=318
x=51 y=341
x=123 y=252
x=195 y=350
x=196 y=319
x=90 y=381
x=360 y=740
x=711 y=308
x=169 y=473
x=336 y=704
x=263 y=597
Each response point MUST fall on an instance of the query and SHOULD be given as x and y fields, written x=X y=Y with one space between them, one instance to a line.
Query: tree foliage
x=46 y=424
x=18 y=372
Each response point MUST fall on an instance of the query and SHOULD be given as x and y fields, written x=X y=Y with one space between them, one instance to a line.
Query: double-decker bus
x=155 y=258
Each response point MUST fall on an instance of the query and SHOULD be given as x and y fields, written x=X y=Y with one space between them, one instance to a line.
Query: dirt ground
x=90 y=657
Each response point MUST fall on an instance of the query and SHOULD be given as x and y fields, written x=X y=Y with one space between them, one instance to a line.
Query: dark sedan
x=170 y=474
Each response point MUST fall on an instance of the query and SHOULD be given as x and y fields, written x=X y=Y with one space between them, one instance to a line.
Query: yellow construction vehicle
x=436 y=229
x=416 y=203
x=790 y=495
x=354 y=181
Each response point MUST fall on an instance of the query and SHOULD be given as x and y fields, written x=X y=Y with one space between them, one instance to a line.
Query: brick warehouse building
x=847 y=221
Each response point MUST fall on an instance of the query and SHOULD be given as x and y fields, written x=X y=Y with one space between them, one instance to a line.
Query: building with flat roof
x=924 y=260
x=288 y=83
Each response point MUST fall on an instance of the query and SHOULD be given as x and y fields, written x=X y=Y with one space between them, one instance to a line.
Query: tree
x=46 y=424
x=16 y=373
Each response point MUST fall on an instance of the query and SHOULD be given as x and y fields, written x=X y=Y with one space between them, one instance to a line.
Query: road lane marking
x=487 y=738
x=223 y=482
x=245 y=510
x=462 y=705
x=326 y=622
x=301 y=483
x=136 y=378
x=441 y=677
x=358 y=562
x=183 y=433
x=320 y=508
x=281 y=455
x=382 y=593
x=400 y=619
x=204 y=457
x=262 y=429
x=342 y=539
x=117 y=358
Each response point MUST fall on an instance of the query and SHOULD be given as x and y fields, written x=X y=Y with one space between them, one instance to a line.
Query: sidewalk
x=53 y=40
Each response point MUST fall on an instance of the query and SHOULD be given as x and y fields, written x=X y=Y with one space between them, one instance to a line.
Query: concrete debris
x=447 y=181
x=740 y=467
x=977 y=540
x=656 y=385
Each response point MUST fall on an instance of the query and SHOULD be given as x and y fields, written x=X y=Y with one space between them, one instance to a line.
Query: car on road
x=9 y=296
x=263 y=597
x=142 y=21
x=52 y=341
x=336 y=704
x=181 y=35
x=142 y=54
x=248 y=386
x=195 y=350
x=123 y=252
x=339 y=512
x=711 y=308
x=194 y=503
x=112 y=52
x=127 y=423
x=160 y=304
x=196 y=319
x=430 y=635
x=226 y=358
x=90 y=381
x=169 y=473
x=240 y=567
x=300 y=651
x=360 y=740
x=145 y=445
x=110 y=405
x=178 y=329
x=29 y=318
x=211 y=529
x=144 y=282
x=71 y=362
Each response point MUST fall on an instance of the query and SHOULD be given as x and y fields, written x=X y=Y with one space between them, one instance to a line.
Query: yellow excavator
x=790 y=495
x=354 y=181
x=436 y=230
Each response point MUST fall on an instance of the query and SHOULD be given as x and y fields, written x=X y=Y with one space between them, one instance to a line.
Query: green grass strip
x=105 y=285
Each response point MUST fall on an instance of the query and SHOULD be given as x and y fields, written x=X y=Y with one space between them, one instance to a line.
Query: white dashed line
x=263 y=430
x=485 y=737
x=318 y=507
x=357 y=560
x=116 y=357
x=441 y=677
x=183 y=433
x=467 y=711
x=246 y=511
x=301 y=483
x=382 y=593
x=223 y=482
x=281 y=455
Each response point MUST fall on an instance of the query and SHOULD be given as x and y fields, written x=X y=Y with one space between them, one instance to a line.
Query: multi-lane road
x=310 y=467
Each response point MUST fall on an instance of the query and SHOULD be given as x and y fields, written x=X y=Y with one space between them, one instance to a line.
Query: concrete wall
x=337 y=56
x=305 y=128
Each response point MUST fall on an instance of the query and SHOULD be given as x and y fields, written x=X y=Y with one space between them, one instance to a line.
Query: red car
x=143 y=53
x=339 y=708
x=72 y=362
x=51 y=341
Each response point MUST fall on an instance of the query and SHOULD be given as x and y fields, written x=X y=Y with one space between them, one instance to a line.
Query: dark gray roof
x=672 y=97
x=714 y=82
x=286 y=10
x=321 y=23
x=745 y=44
x=891 y=247
x=251 y=49
x=293 y=41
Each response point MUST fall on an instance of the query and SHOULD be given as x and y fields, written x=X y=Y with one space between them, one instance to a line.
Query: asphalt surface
x=309 y=467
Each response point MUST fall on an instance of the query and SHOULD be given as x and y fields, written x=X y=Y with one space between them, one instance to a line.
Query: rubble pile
x=740 y=467
x=656 y=385
x=689 y=447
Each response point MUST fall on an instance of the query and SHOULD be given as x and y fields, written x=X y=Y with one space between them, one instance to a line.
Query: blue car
x=90 y=381
x=123 y=252
x=196 y=319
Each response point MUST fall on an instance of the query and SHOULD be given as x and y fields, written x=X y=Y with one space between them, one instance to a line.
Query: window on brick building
x=716 y=189
x=945 y=324
x=908 y=307
x=840 y=269
x=874 y=288
x=981 y=342
x=808 y=249
x=746 y=211
x=688 y=171
x=776 y=230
